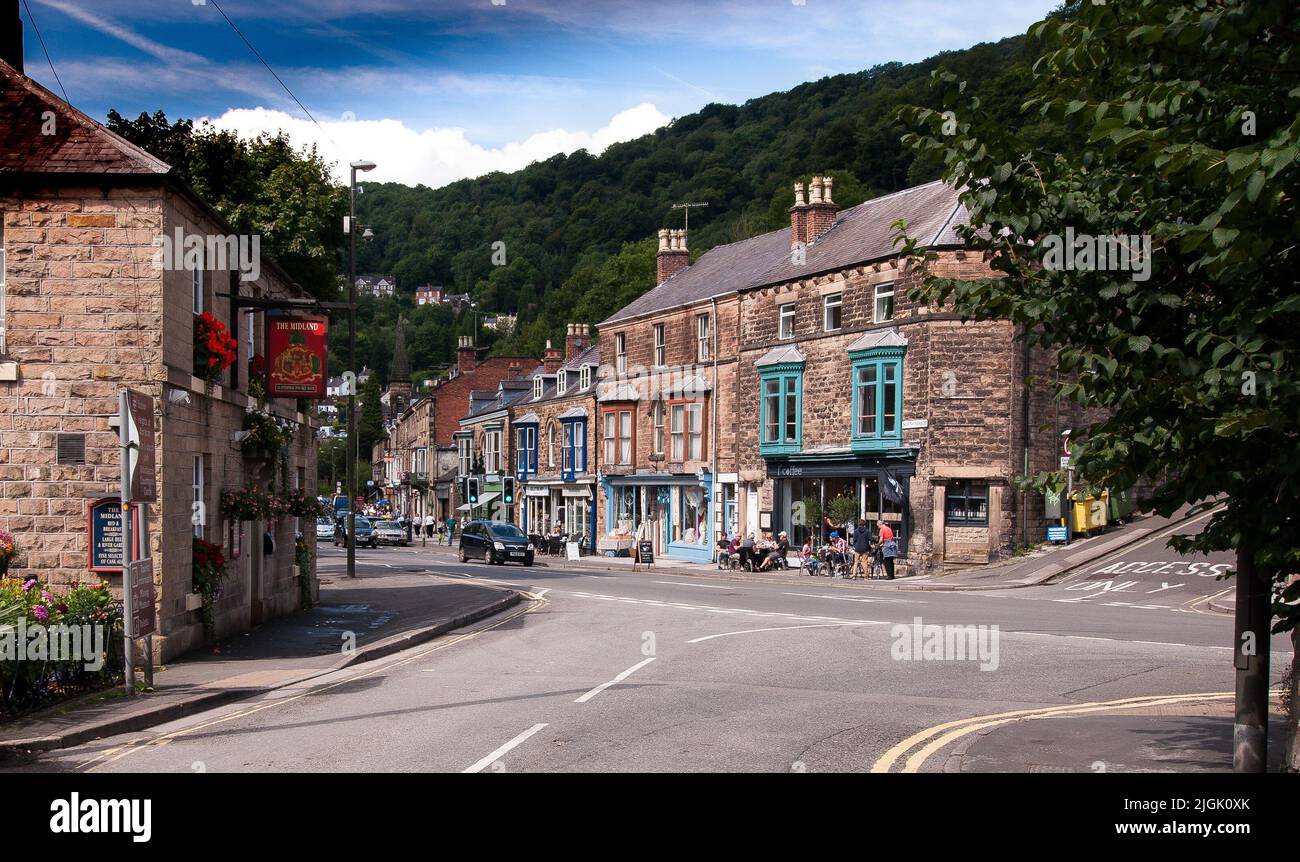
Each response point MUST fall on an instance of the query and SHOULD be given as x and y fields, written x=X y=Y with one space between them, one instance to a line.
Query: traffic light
x=508 y=490
x=472 y=481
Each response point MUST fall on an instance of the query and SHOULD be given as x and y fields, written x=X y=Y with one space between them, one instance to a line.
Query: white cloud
x=436 y=156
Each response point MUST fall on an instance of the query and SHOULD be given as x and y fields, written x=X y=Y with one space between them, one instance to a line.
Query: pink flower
x=45 y=596
x=40 y=613
x=27 y=586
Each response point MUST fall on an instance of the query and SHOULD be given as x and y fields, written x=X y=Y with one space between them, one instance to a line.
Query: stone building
x=668 y=402
x=422 y=440
x=821 y=382
x=861 y=394
x=555 y=457
x=483 y=447
x=90 y=304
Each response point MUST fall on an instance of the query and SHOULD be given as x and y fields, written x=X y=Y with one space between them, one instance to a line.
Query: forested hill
x=578 y=229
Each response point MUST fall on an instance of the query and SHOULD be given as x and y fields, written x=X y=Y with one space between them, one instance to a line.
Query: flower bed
x=56 y=643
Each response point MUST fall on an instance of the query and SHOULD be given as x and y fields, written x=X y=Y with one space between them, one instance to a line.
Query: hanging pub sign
x=295 y=355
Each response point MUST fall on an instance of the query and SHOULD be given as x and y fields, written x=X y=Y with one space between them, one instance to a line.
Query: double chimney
x=673 y=256
x=577 y=338
x=812 y=218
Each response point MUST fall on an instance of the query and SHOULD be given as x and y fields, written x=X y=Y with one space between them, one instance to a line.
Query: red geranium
x=214 y=349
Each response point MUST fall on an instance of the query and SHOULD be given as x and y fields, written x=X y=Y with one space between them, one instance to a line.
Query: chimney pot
x=826 y=189
x=815 y=191
x=673 y=256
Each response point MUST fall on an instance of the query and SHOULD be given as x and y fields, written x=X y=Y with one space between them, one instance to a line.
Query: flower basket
x=252 y=504
x=214 y=349
x=266 y=434
x=207 y=569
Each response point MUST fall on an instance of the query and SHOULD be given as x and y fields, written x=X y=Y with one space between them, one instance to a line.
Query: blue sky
x=435 y=91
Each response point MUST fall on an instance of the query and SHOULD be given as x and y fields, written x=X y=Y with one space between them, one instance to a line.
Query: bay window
x=618 y=437
x=525 y=450
x=877 y=378
x=781 y=427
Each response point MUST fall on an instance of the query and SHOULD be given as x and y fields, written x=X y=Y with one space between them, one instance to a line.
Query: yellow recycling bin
x=1088 y=514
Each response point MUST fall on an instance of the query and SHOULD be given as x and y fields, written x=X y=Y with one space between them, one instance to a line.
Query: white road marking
x=615 y=681
x=543 y=591
x=505 y=749
x=856 y=598
x=705 y=586
x=789 y=628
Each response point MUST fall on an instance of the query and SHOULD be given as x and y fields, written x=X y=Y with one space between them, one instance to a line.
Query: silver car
x=389 y=533
x=324 y=528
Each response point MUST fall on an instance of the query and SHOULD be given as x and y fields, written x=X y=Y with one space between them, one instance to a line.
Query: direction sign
x=144 y=613
x=136 y=429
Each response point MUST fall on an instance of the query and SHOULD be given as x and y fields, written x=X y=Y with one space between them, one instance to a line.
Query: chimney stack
x=821 y=212
x=11 y=34
x=673 y=256
x=576 y=340
x=466 y=355
x=798 y=217
x=552 y=359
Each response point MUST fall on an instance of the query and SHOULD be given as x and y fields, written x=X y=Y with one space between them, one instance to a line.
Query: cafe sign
x=295 y=355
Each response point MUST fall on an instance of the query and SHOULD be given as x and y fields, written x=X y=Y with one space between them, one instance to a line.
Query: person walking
x=451 y=529
x=888 y=548
x=861 y=551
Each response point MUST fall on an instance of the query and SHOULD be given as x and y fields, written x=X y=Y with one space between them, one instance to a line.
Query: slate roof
x=861 y=234
x=79 y=145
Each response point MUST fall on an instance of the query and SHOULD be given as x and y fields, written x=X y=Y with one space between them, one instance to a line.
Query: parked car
x=365 y=533
x=388 y=532
x=495 y=542
x=325 y=527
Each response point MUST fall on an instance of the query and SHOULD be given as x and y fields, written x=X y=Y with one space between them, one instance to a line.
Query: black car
x=495 y=542
x=365 y=532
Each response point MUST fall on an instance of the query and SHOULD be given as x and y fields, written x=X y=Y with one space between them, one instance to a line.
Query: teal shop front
x=671 y=510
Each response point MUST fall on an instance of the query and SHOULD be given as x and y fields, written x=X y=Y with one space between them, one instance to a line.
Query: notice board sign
x=645 y=554
x=144 y=614
x=104 y=536
x=1057 y=534
x=571 y=551
x=295 y=355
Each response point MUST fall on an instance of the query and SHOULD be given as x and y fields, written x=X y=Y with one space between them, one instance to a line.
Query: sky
x=438 y=90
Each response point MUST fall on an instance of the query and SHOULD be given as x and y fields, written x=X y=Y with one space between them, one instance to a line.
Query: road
x=660 y=671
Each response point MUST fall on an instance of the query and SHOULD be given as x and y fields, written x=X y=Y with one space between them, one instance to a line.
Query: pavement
x=382 y=611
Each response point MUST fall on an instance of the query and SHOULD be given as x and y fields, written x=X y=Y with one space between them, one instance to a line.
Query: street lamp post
x=353 y=445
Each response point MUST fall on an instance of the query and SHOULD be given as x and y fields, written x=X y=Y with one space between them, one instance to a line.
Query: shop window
x=966 y=504
x=689 y=513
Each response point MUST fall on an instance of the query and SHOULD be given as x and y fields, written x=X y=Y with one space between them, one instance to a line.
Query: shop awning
x=577 y=492
x=537 y=491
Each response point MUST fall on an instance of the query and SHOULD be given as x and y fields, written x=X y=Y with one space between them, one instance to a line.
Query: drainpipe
x=713 y=442
x=1024 y=424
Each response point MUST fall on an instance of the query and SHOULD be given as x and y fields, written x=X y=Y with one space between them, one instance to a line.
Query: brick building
x=89 y=305
x=554 y=450
x=422 y=439
x=483 y=447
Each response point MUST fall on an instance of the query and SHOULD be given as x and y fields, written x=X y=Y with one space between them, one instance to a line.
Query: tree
x=370 y=425
x=260 y=185
x=1187 y=117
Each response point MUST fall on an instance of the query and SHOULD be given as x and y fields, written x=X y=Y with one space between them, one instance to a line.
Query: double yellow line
x=935 y=738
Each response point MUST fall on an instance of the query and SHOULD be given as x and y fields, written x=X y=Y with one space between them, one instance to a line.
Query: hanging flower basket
x=252 y=504
x=214 y=349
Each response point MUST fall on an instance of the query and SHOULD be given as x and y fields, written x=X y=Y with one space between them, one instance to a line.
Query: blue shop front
x=672 y=510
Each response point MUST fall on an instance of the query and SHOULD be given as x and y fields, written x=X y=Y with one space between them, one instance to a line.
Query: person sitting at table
x=747 y=552
x=775 y=552
x=839 y=549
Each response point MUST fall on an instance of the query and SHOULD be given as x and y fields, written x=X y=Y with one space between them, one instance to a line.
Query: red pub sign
x=295 y=355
